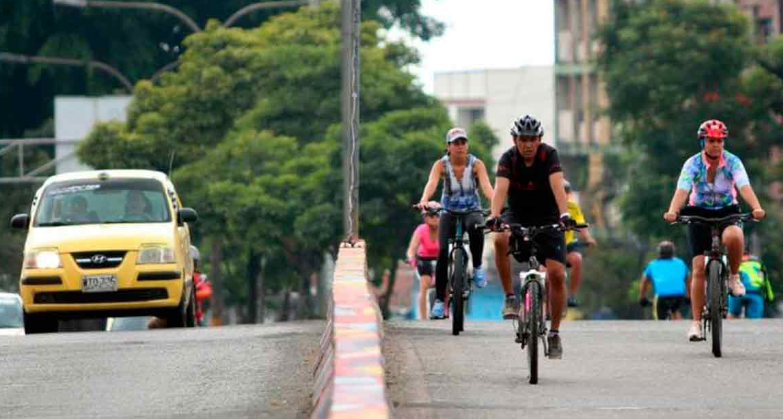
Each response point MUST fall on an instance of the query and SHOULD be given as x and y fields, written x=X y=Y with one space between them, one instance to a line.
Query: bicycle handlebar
x=521 y=230
x=453 y=212
x=687 y=219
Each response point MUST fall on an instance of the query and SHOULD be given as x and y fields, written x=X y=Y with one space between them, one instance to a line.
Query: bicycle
x=716 y=301
x=531 y=326
x=458 y=272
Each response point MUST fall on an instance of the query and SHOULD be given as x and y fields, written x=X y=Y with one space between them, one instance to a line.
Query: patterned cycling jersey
x=722 y=192
x=460 y=194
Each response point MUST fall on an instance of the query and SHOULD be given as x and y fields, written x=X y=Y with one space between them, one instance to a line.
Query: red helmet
x=713 y=128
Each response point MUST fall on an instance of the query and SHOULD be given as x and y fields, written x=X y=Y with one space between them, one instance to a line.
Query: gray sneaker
x=511 y=308
x=555 y=346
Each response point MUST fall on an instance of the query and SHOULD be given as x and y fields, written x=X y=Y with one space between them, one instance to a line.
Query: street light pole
x=351 y=20
x=27 y=59
x=268 y=5
x=131 y=5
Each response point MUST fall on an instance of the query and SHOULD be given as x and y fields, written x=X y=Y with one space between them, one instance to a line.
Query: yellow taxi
x=107 y=243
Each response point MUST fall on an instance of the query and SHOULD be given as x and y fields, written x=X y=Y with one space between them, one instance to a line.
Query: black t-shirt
x=530 y=195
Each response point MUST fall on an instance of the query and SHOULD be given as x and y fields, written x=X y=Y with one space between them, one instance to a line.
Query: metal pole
x=27 y=59
x=132 y=5
x=259 y=6
x=21 y=160
x=351 y=19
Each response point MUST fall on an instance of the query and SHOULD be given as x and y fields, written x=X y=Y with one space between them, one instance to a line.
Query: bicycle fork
x=706 y=325
x=521 y=326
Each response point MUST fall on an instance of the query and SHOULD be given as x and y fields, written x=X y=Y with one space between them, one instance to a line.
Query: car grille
x=99 y=260
x=120 y=296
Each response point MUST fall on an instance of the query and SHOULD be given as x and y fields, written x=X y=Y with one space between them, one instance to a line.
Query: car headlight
x=155 y=253
x=42 y=259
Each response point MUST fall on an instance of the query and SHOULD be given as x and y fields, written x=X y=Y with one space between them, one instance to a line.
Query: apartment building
x=584 y=135
x=497 y=97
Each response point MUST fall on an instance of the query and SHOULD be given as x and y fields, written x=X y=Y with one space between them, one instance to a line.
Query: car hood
x=87 y=237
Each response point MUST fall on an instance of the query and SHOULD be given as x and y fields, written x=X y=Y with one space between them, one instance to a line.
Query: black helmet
x=527 y=125
x=666 y=249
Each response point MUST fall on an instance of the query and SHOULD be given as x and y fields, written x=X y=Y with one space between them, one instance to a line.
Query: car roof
x=117 y=173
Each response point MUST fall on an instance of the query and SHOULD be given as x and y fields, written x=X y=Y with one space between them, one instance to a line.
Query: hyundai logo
x=98 y=259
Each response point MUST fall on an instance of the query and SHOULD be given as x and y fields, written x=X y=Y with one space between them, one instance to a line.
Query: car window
x=103 y=201
x=10 y=313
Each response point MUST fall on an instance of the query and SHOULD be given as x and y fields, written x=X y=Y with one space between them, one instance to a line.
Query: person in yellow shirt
x=573 y=244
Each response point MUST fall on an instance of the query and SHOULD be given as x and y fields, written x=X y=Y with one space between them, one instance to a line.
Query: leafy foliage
x=253 y=116
x=668 y=66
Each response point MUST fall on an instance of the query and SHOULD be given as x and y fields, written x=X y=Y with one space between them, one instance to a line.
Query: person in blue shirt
x=754 y=278
x=670 y=279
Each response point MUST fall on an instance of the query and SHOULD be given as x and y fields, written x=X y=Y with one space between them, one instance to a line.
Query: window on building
x=468 y=116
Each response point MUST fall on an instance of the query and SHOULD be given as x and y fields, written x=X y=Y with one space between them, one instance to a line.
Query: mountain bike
x=717 y=274
x=459 y=275
x=532 y=292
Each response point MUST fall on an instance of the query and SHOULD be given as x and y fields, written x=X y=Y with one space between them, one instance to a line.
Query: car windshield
x=10 y=313
x=103 y=201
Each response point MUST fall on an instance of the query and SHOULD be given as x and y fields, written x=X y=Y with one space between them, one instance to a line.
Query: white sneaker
x=735 y=286
x=694 y=334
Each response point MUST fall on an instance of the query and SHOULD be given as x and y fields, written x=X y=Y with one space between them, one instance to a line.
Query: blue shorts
x=753 y=303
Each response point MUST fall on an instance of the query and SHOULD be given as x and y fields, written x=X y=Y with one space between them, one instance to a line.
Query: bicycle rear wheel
x=533 y=319
x=457 y=287
x=715 y=294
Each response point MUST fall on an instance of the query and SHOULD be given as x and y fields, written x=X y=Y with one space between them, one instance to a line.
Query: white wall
x=74 y=117
x=505 y=94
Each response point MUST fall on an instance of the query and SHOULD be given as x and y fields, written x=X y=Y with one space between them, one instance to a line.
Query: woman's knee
x=732 y=235
x=501 y=240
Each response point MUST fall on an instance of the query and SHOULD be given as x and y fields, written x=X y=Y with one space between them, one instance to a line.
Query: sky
x=485 y=34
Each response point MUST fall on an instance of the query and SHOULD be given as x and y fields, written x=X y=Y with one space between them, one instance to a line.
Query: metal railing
x=33 y=176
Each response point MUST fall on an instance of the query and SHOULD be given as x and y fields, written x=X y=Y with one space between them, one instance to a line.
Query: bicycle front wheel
x=715 y=295
x=457 y=287
x=533 y=319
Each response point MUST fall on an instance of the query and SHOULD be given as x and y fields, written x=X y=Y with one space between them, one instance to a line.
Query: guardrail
x=349 y=373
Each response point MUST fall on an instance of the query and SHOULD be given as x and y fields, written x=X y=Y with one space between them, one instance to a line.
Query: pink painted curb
x=349 y=373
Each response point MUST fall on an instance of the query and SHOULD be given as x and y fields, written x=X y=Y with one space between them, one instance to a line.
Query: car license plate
x=99 y=283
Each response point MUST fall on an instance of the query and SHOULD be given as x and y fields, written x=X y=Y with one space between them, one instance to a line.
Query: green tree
x=136 y=42
x=248 y=113
x=668 y=66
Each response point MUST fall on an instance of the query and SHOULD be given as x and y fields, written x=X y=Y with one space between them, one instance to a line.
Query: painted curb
x=349 y=373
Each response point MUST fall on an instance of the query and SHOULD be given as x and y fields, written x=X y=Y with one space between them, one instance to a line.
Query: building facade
x=497 y=97
x=584 y=134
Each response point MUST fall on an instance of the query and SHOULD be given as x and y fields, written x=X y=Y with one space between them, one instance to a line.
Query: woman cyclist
x=423 y=253
x=462 y=175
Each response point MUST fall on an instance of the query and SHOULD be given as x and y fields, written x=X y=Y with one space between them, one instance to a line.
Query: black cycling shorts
x=666 y=305
x=426 y=266
x=699 y=235
x=549 y=245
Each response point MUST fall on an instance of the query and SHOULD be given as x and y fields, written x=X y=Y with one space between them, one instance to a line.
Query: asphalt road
x=626 y=369
x=225 y=372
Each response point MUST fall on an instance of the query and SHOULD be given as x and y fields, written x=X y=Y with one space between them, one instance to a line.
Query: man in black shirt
x=531 y=176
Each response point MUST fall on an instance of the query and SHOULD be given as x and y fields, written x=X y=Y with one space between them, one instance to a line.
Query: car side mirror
x=186 y=215
x=20 y=221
